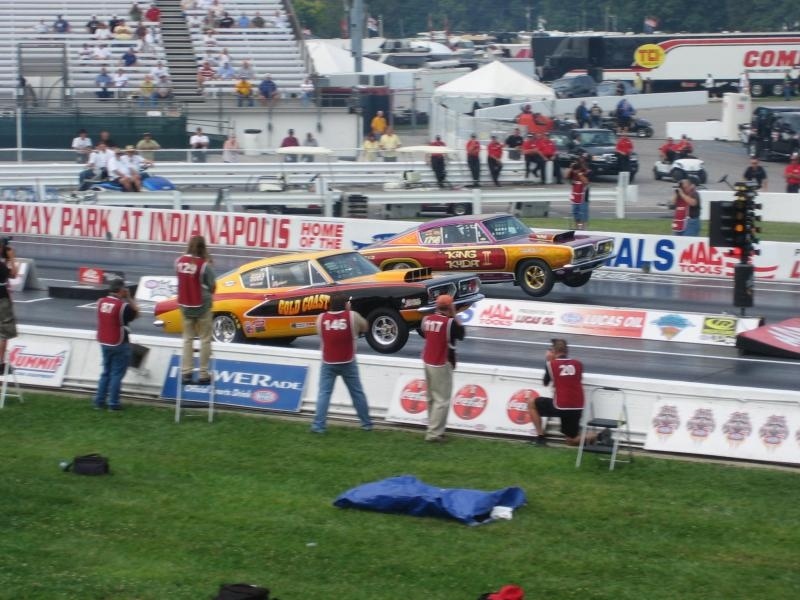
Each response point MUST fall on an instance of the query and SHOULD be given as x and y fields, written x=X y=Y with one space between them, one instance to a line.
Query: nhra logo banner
x=37 y=363
x=245 y=384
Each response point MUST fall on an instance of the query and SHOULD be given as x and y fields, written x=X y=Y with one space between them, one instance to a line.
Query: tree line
x=408 y=17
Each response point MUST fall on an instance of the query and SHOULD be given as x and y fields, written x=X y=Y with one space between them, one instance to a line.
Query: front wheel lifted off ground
x=577 y=280
x=387 y=331
x=226 y=328
x=535 y=277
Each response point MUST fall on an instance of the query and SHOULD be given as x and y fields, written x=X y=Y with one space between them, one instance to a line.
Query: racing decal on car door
x=472 y=259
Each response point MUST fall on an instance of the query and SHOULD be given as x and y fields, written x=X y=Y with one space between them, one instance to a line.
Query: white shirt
x=157 y=72
x=198 y=139
x=102 y=53
x=120 y=80
x=98 y=159
x=118 y=168
x=223 y=59
x=80 y=143
x=102 y=33
x=41 y=28
x=134 y=162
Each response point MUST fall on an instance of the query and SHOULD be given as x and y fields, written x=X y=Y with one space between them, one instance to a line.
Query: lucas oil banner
x=242 y=383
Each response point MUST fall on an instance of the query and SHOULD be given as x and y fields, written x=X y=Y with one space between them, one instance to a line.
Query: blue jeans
x=327 y=377
x=692 y=228
x=115 y=363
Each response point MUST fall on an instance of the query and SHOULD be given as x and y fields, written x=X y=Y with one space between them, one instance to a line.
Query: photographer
x=686 y=203
x=8 y=322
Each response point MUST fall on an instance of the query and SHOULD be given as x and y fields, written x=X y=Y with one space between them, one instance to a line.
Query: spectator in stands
x=312 y=142
x=136 y=166
x=257 y=21
x=104 y=137
x=223 y=57
x=95 y=167
x=119 y=171
x=289 y=142
x=102 y=32
x=390 y=142
x=129 y=58
x=243 y=22
x=163 y=90
x=86 y=54
x=217 y=8
x=226 y=21
x=244 y=92
x=102 y=53
x=246 y=70
x=153 y=14
x=147 y=147
x=146 y=89
x=61 y=25
x=230 y=149
x=210 y=20
x=378 y=124
x=306 y=91
x=205 y=73
x=371 y=148
x=187 y=5
x=41 y=27
x=209 y=39
x=225 y=71
x=82 y=145
x=280 y=20
x=103 y=81
x=199 y=143
x=268 y=91
x=92 y=24
x=113 y=22
x=158 y=70
x=135 y=13
x=120 y=82
x=122 y=31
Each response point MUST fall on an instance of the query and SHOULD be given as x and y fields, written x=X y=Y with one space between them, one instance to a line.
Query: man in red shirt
x=437 y=162
x=683 y=147
x=494 y=158
x=114 y=312
x=440 y=330
x=532 y=157
x=548 y=151
x=474 y=159
x=339 y=328
x=624 y=150
x=566 y=375
x=792 y=174
x=668 y=150
x=196 y=286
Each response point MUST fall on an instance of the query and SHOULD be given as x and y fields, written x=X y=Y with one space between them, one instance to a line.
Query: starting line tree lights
x=733 y=224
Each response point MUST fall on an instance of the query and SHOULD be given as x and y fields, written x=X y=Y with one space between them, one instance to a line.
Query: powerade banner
x=243 y=383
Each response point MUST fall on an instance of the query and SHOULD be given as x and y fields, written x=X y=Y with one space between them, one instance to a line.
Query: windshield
x=347 y=265
x=596 y=138
x=792 y=119
x=505 y=227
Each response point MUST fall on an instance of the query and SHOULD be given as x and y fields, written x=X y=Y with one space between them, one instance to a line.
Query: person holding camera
x=8 y=322
x=339 y=328
x=578 y=175
x=440 y=330
x=686 y=220
x=114 y=313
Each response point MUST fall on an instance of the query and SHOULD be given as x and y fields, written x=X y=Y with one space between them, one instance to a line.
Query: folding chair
x=619 y=427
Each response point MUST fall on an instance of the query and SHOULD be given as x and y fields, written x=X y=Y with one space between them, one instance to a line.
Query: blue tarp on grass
x=408 y=495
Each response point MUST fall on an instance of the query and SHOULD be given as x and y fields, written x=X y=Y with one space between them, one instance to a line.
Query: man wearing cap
x=530 y=151
x=494 y=159
x=119 y=170
x=339 y=328
x=196 y=287
x=268 y=91
x=792 y=174
x=440 y=330
x=136 y=164
x=474 y=159
x=513 y=143
x=114 y=313
x=147 y=146
x=566 y=375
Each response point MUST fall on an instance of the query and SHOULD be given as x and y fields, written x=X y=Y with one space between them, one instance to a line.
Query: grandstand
x=59 y=66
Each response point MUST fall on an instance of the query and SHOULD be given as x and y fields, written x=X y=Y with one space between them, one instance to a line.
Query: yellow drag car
x=279 y=298
x=499 y=248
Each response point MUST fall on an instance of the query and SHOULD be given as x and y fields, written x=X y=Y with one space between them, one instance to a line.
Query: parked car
x=500 y=248
x=773 y=132
x=279 y=298
x=612 y=87
x=639 y=127
x=600 y=145
x=579 y=86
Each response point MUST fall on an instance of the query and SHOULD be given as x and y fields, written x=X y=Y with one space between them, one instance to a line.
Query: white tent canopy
x=495 y=80
x=332 y=59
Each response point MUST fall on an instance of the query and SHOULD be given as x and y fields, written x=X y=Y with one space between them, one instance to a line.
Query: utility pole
x=357 y=34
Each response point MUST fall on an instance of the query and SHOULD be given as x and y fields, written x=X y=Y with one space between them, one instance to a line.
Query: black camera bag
x=242 y=591
x=91 y=464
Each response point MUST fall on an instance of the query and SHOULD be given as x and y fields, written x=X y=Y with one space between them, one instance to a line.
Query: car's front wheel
x=677 y=174
x=577 y=280
x=403 y=264
x=387 y=332
x=535 y=277
x=227 y=329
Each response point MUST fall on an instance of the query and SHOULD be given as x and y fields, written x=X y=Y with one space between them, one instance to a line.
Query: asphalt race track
x=57 y=261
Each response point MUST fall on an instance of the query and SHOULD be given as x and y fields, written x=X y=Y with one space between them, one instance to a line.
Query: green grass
x=774 y=232
x=249 y=499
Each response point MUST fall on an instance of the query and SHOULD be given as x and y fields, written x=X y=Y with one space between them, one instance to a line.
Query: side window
x=431 y=236
x=481 y=235
x=316 y=276
x=459 y=234
x=255 y=278
x=289 y=275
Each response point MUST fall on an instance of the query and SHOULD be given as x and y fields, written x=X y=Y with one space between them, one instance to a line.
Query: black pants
x=437 y=164
x=556 y=171
x=538 y=161
x=495 y=166
x=792 y=188
x=474 y=164
x=624 y=162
